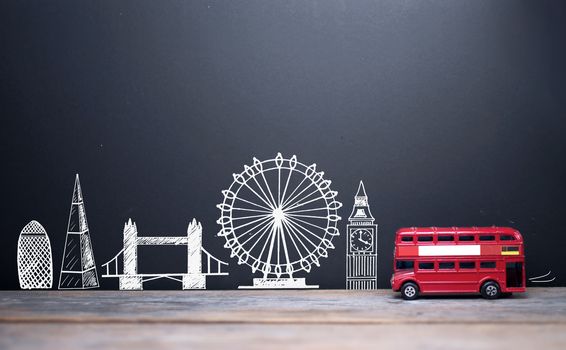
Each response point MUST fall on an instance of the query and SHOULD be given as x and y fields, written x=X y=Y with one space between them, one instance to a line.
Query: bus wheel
x=490 y=290
x=410 y=291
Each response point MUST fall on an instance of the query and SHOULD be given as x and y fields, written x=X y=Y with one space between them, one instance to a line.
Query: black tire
x=410 y=291
x=490 y=290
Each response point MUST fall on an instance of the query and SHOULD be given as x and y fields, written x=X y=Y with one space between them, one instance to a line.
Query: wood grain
x=277 y=319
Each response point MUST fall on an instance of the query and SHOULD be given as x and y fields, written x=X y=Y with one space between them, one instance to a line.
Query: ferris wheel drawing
x=279 y=217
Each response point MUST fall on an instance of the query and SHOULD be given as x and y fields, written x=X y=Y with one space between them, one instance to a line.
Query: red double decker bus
x=433 y=260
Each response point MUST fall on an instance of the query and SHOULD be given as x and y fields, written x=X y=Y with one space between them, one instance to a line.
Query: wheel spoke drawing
x=293 y=199
x=260 y=232
x=252 y=210
x=263 y=199
x=253 y=231
x=279 y=217
x=294 y=235
x=300 y=230
x=296 y=221
x=306 y=210
x=252 y=217
x=307 y=216
x=256 y=205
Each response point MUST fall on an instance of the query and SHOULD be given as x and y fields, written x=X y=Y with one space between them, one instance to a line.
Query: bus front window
x=404 y=265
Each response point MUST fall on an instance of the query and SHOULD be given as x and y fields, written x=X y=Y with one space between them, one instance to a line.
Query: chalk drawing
x=361 y=245
x=543 y=278
x=279 y=217
x=35 y=263
x=131 y=279
x=78 y=269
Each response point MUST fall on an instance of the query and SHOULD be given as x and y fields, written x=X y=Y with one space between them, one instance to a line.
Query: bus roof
x=456 y=230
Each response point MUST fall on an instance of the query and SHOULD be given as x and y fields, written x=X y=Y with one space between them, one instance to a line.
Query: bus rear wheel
x=410 y=291
x=490 y=290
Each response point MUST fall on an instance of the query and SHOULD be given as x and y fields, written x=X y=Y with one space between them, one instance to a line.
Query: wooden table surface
x=279 y=319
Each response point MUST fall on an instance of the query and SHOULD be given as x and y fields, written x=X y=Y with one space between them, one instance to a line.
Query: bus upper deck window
x=506 y=238
x=487 y=238
x=406 y=238
x=466 y=238
x=425 y=238
x=445 y=238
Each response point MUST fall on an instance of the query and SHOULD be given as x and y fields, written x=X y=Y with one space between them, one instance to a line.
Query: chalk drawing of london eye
x=279 y=217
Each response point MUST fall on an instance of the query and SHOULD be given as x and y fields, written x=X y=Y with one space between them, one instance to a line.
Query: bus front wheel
x=490 y=290
x=410 y=291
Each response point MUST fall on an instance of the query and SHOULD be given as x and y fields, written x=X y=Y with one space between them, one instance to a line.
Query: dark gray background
x=453 y=113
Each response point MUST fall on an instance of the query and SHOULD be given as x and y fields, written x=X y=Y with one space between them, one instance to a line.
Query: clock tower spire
x=360 y=211
x=361 y=245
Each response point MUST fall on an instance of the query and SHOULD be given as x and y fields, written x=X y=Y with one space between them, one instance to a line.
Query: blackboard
x=451 y=112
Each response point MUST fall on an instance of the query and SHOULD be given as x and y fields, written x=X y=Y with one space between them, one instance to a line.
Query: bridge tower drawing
x=194 y=278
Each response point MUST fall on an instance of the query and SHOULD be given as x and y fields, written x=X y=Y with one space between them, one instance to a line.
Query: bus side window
x=425 y=239
x=426 y=266
x=487 y=264
x=487 y=238
x=467 y=265
x=445 y=238
x=466 y=238
x=404 y=264
x=445 y=265
x=506 y=238
x=406 y=238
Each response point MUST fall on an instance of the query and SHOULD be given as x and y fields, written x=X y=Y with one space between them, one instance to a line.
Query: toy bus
x=456 y=260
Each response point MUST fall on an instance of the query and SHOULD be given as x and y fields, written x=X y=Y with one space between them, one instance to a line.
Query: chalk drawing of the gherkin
x=35 y=263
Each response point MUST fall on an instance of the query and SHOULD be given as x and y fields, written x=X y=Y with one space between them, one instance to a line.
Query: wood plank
x=312 y=319
x=282 y=336
x=539 y=305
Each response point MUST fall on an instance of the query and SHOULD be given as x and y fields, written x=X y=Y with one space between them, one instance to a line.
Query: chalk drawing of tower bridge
x=194 y=278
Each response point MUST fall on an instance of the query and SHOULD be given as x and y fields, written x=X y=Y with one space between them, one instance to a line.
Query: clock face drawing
x=361 y=240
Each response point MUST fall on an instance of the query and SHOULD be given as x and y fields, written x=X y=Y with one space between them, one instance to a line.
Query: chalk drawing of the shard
x=78 y=270
x=194 y=278
x=35 y=263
